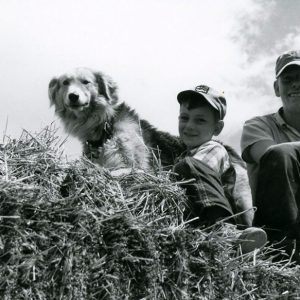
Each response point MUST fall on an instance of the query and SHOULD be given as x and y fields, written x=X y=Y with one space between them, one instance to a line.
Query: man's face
x=197 y=125
x=289 y=88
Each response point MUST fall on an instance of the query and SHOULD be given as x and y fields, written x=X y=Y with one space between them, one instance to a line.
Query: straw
x=70 y=230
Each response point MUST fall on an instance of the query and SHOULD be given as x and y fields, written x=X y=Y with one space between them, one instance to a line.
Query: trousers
x=278 y=195
x=206 y=196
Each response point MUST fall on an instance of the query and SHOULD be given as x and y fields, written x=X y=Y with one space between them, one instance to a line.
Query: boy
x=202 y=111
x=271 y=147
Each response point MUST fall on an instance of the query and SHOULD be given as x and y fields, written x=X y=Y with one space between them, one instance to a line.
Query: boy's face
x=197 y=125
x=289 y=89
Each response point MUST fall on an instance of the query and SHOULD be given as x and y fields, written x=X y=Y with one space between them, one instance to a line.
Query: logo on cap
x=202 y=89
x=294 y=53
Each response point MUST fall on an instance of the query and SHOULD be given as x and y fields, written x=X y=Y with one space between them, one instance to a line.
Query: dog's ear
x=52 y=89
x=107 y=87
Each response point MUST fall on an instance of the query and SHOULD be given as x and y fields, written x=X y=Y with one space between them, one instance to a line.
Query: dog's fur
x=112 y=134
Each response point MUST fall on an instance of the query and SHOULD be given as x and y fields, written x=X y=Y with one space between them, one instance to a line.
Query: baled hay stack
x=71 y=231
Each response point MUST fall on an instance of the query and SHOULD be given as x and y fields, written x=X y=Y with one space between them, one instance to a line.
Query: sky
x=153 y=49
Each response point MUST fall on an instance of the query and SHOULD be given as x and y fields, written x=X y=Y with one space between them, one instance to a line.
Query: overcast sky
x=153 y=49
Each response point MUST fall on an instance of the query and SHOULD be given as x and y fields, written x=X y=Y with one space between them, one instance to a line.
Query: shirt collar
x=279 y=119
x=196 y=149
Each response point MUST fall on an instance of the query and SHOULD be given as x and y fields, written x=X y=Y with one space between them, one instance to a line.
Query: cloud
x=264 y=27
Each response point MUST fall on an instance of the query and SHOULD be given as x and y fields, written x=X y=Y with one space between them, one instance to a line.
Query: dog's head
x=77 y=93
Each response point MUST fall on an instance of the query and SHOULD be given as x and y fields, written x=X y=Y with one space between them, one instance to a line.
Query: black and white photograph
x=149 y=150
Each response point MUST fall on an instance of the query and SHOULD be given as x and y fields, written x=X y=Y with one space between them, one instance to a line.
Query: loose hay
x=69 y=230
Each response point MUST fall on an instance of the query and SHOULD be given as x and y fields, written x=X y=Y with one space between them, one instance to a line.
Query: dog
x=113 y=135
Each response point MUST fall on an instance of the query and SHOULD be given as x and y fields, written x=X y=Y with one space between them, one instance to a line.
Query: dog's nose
x=73 y=98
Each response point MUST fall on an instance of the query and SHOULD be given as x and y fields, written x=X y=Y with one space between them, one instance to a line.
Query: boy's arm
x=241 y=192
x=214 y=155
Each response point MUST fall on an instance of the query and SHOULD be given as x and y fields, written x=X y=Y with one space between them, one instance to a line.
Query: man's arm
x=258 y=149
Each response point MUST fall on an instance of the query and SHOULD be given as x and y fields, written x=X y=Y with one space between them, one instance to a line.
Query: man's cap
x=212 y=97
x=287 y=59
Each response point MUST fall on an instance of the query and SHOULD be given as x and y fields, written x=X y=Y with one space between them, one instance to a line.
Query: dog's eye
x=85 y=81
x=65 y=82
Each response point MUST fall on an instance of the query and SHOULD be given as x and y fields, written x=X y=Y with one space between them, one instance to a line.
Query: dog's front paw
x=121 y=172
x=125 y=171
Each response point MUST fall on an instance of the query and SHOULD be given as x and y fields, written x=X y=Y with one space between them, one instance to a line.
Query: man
x=271 y=147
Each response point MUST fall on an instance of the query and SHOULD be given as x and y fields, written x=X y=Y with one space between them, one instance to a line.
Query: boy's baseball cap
x=287 y=59
x=212 y=97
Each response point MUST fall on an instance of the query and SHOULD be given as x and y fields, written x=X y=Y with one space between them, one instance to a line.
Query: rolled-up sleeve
x=254 y=130
x=215 y=156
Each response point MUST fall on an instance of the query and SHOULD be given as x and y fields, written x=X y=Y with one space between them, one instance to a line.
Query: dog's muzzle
x=74 y=101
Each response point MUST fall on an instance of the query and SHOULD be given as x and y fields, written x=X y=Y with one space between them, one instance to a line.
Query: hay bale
x=69 y=230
